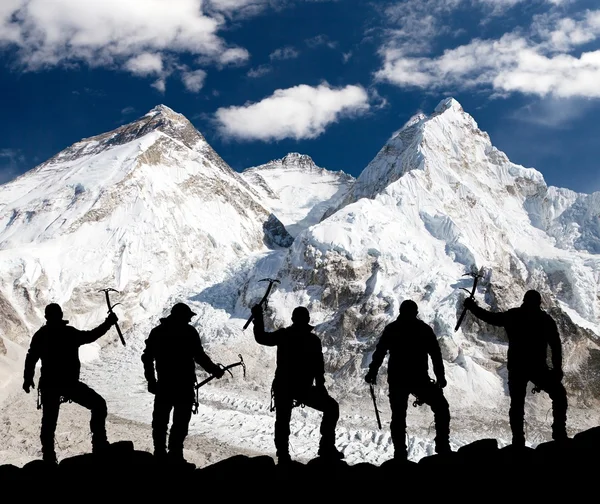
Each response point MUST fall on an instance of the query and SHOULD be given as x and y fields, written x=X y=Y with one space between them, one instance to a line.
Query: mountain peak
x=297 y=159
x=169 y=122
x=407 y=149
x=292 y=160
x=163 y=110
x=161 y=118
x=161 y=107
x=421 y=118
x=448 y=104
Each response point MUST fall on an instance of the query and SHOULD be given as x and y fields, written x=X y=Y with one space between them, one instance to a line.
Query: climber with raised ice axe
x=530 y=332
x=57 y=344
x=299 y=380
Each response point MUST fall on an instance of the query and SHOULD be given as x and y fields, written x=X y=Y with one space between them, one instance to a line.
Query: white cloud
x=238 y=8
x=563 y=34
x=234 y=56
x=11 y=154
x=9 y=32
x=259 y=71
x=346 y=56
x=160 y=85
x=513 y=63
x=145 y=64
x=415 y=25
x=10 y=162
x=299 y=112
x=500 y=6
x=193 y=81
x=129 y=34
x=231 y=5
x=284 y=53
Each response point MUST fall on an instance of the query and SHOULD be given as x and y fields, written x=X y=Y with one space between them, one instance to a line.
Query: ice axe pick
x=265 y=297
x=476 y=277
x=110 y=310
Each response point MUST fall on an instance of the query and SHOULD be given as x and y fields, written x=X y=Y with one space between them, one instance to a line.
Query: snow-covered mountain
x=143 y=209
x=151 y=210
x=298 y=192
x=436 y=201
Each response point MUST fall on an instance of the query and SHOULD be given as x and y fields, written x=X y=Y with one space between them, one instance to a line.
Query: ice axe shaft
x=264 y=299
x=110 y=310
x=226 y=368
x=375 y=406
x=204 y=382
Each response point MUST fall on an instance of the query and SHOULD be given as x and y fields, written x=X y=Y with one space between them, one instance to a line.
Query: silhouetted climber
x=410 y=342
x=57 y=345
x=299 y=380
x=530 y=332
x=175 y=346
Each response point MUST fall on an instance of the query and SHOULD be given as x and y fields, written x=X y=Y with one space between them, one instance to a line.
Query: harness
x=418 y=401
x=62 y=400
x=295 y=402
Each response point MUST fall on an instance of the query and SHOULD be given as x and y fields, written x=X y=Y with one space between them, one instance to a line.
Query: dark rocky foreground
x=480 y=470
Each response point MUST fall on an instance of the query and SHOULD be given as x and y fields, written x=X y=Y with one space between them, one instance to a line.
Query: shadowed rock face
x=275 y=233
x=480 y=468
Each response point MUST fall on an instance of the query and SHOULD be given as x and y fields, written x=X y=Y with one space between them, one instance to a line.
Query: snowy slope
x=298 y=192
x=141 y=209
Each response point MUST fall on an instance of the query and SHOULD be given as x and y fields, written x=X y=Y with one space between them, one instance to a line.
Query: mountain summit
x=160 y=119
x=142 y=208
x=298 y=191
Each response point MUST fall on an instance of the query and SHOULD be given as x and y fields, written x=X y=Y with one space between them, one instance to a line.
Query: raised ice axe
x=263 y=301
x=476 y=276
x=110 y=310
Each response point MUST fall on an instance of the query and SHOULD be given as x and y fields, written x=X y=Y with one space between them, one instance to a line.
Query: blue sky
x=332 y=79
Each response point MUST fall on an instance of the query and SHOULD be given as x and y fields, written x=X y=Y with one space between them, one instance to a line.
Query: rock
x=479 y=467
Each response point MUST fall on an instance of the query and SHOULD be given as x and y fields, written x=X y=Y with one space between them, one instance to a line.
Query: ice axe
x=263 y=301
x=476 y=276
x=110 y=310
x=224 y=368
x=375 y=405
x=212 y=377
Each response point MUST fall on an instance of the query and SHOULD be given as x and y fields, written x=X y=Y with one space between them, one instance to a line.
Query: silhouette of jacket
x=299 y=378
x=175 y=346
x=299 y=356
x=57 y=345
x=530 y=332
x=409 y=342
